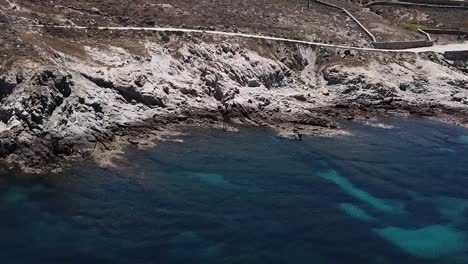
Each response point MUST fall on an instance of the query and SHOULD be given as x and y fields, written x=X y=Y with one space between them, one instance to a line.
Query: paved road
x=435 y=48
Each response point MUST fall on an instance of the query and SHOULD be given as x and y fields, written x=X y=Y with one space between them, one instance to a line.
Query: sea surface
x=381 y=195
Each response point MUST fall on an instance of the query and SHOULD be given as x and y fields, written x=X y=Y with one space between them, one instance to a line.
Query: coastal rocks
x=189 y=91
x=7 y=145
x=131 y=93
x=315 y=120
x=463 y=84
x=37 y=118
x=381 y=90
x=253 y=83
x=337 y=75
x=404 y=86
x=36 y=100
x=95 y=11
x=6 y=87
x=414 y=87
x=458 y=97
x=57 y=80
x=334 y=76
x=419 y=84
x=211 y=80
x=387 y=100
x=115 y=97
x=299 y=97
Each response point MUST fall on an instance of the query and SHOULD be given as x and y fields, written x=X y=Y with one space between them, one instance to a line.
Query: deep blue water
x=380 y=196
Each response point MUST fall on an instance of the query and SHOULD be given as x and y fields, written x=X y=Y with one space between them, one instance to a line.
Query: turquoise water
x=380 y=196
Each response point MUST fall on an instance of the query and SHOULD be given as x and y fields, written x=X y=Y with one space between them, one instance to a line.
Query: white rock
x=459 y=97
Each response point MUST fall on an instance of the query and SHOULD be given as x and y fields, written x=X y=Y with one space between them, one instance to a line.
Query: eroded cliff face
x=83 y=104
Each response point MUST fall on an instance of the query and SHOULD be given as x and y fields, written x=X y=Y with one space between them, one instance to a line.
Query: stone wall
x=456 y=55
x=448 y=5
x=446 y=31
x=395 y=45
x=439 y=2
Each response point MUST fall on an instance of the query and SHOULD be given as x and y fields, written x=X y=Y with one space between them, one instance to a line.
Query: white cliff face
x=211 y=77
x=77 y=106
x=418 y=81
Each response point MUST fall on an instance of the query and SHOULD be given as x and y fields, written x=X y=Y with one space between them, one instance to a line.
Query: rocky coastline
x=89 y=100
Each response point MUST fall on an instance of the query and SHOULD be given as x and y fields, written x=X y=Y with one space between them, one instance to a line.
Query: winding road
x=435 y=48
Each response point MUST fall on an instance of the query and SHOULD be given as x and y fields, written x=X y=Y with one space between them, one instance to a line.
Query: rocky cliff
x=87 y=98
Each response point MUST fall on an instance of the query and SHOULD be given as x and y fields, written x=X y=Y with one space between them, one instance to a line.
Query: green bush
x=412 y=27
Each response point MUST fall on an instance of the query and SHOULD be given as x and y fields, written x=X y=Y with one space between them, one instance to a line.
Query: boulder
x=458 y=97
x=387 y=100
x=300 y=97
x=404 y=86
x=334 y=75
x=96 y=11
x=253 y=83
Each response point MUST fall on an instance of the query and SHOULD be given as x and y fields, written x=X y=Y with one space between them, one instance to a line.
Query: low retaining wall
x=428 y=37
x=438 y=2
x=456 y=55
x=392 y=3
x=395 y=45
x=445 y=31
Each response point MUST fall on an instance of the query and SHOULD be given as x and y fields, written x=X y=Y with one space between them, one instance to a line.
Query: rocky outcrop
x=54 y=111
x=6 y=87
x=459 y=97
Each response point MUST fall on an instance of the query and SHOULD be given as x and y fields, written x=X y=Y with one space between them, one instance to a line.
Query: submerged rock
x=350 y=189
x=428 y=242
x=356 y=212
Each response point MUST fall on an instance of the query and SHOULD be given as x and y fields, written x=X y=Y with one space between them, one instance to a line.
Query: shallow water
x=381 y=196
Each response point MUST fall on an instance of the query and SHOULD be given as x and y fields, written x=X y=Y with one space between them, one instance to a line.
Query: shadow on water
x=380 y=196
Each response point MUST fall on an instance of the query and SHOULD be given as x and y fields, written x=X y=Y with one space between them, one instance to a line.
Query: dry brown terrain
x=287 y=18
x=431 y=17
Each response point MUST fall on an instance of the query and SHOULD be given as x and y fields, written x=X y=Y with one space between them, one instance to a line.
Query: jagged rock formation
x=71 y=106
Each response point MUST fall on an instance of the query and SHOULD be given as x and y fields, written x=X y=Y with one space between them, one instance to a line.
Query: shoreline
x=107 y=153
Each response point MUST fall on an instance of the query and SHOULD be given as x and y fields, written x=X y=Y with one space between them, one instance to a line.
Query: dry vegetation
x=285 y=18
